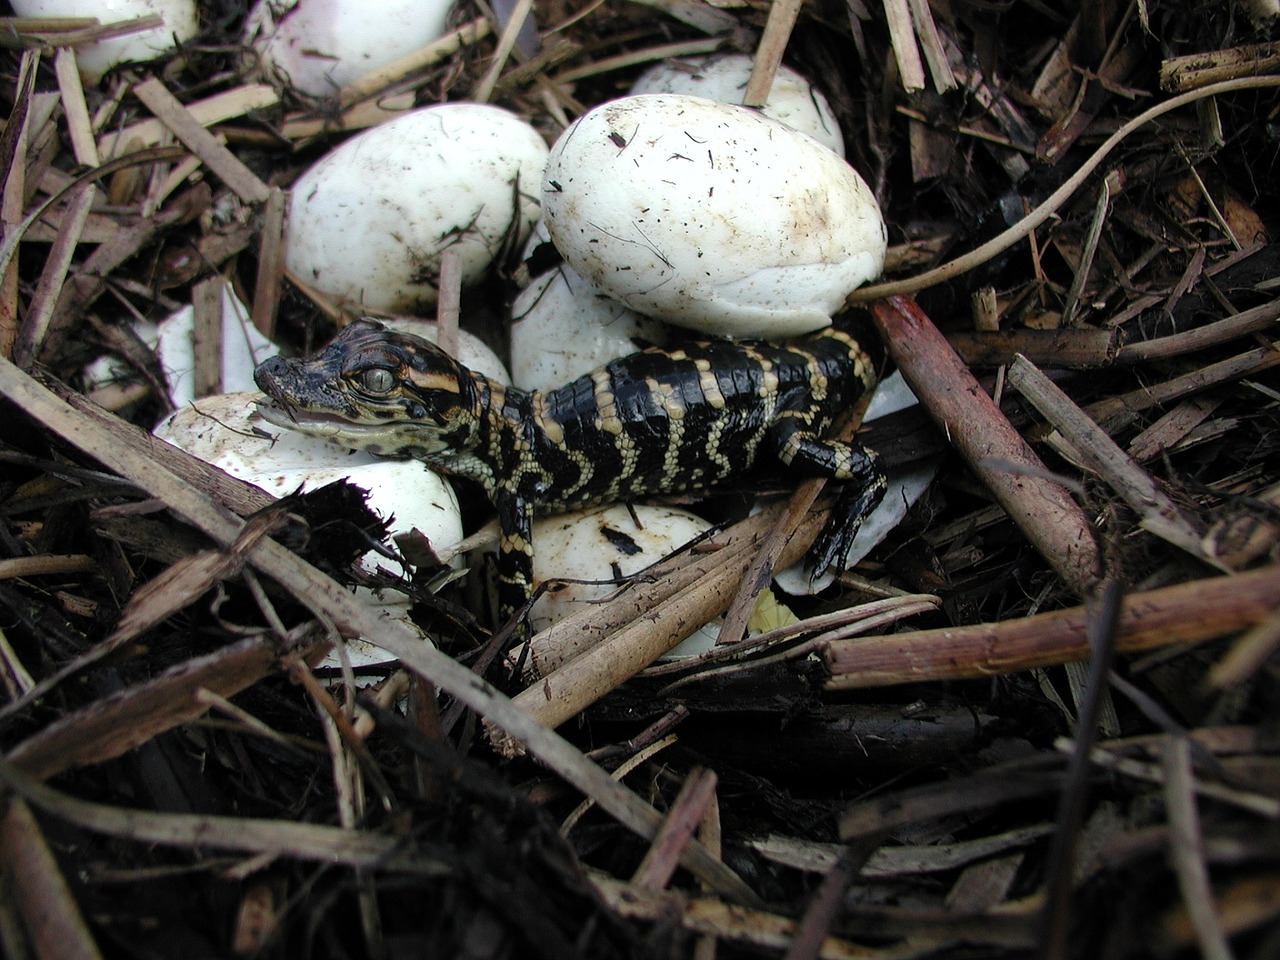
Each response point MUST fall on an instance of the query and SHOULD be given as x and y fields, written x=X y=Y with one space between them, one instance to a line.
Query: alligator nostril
x=269 y=368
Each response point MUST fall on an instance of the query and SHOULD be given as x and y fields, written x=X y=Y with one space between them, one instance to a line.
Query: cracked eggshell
x=723 y=76
x=368 y=222
x=95 y=59
x=225 y=431
x=173 y=339
x=317 y=46
x=564 y=328
x=710 y=216
x=601 y=544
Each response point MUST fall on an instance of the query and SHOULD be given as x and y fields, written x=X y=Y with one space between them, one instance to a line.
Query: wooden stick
x=1102 y=455
x=1043 y=510
x=773 y=44
x=270 y=279
x=373 y=83
x=208 y=112
x=225 y=164
x=1188 y=613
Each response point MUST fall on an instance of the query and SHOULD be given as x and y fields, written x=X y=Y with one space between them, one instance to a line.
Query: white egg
x=564 y=328
x=710 y=216
x=368 y=222
x=723 y=76
x=473 y=353
x=225 y=431
x=317 y=46
x=602 y=544
x=95 y=59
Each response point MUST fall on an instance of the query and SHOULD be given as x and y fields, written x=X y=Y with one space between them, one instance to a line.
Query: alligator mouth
x=295 y=418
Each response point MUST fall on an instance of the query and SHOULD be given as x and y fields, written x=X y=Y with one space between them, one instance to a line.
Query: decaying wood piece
x=1189 y=613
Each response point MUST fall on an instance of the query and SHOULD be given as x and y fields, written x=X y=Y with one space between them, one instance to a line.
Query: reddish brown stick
x=1187 y=613
x=974 y=425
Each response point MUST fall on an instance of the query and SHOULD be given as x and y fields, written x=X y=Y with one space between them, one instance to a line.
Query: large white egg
x=710 y=216
x=368 y=222
x=317 y=46
x=95 y=59
x=602 y=544
x=564 y=328
x=723 y=76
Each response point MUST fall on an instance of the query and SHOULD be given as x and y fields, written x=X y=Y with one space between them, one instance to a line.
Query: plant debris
x=1038 y=719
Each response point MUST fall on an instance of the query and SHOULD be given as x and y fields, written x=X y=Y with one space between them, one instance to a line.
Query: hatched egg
x=602 y=544
x=369 y=220
x=710 y=216
x=225 y=430
x=723 y=76
x=317 y=46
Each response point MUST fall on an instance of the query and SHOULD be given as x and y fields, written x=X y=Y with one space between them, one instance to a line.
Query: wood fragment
x=1061 y=348
x=1187 y=850
x=696 y=795
x=378 y=81
x=1044 y=511
x=226 y=165
x=1213 y=66
x=270 y=278
x=1189 y=613
x=79 y=127
x=53 y=923
x=773 y=44
x=1159 y=514
x=208 y=112
x=902 y=37
x=206 y=336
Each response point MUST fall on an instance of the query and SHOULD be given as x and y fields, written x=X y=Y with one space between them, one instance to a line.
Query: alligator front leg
x=860 y=487
x=515 y=553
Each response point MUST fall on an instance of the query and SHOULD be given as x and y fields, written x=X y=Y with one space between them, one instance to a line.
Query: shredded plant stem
x=1024 y=227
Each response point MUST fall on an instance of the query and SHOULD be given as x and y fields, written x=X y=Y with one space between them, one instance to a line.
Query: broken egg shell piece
x=173 y=339
x=225 y=431
x=603 y=544
x=711 y=216
x=95 y=59
x=317 y=46
x=793 y=100
x=564 y=328
x=368 y=222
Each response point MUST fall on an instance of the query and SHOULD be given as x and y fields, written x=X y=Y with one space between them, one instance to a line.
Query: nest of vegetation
x=1039 y=719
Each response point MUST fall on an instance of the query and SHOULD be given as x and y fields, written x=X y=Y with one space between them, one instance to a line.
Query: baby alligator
x=653 y=422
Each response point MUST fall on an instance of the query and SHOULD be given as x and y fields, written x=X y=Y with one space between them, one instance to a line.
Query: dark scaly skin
x=653 y=422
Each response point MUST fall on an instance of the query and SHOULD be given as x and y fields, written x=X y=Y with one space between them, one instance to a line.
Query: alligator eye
x=377 y=380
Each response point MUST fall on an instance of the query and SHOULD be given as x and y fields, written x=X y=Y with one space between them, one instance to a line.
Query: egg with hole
x=580 y=551
x=317 y=46
x=369 y=221
x=710 y=216
x=723 y=76
x=95 y=59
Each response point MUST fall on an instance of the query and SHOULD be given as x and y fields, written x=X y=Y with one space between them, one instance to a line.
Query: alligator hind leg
x=861 y=485
x=515 y=553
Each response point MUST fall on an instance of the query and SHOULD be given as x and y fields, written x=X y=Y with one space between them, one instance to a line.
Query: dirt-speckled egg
x=710 y=216
x=369 y=221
